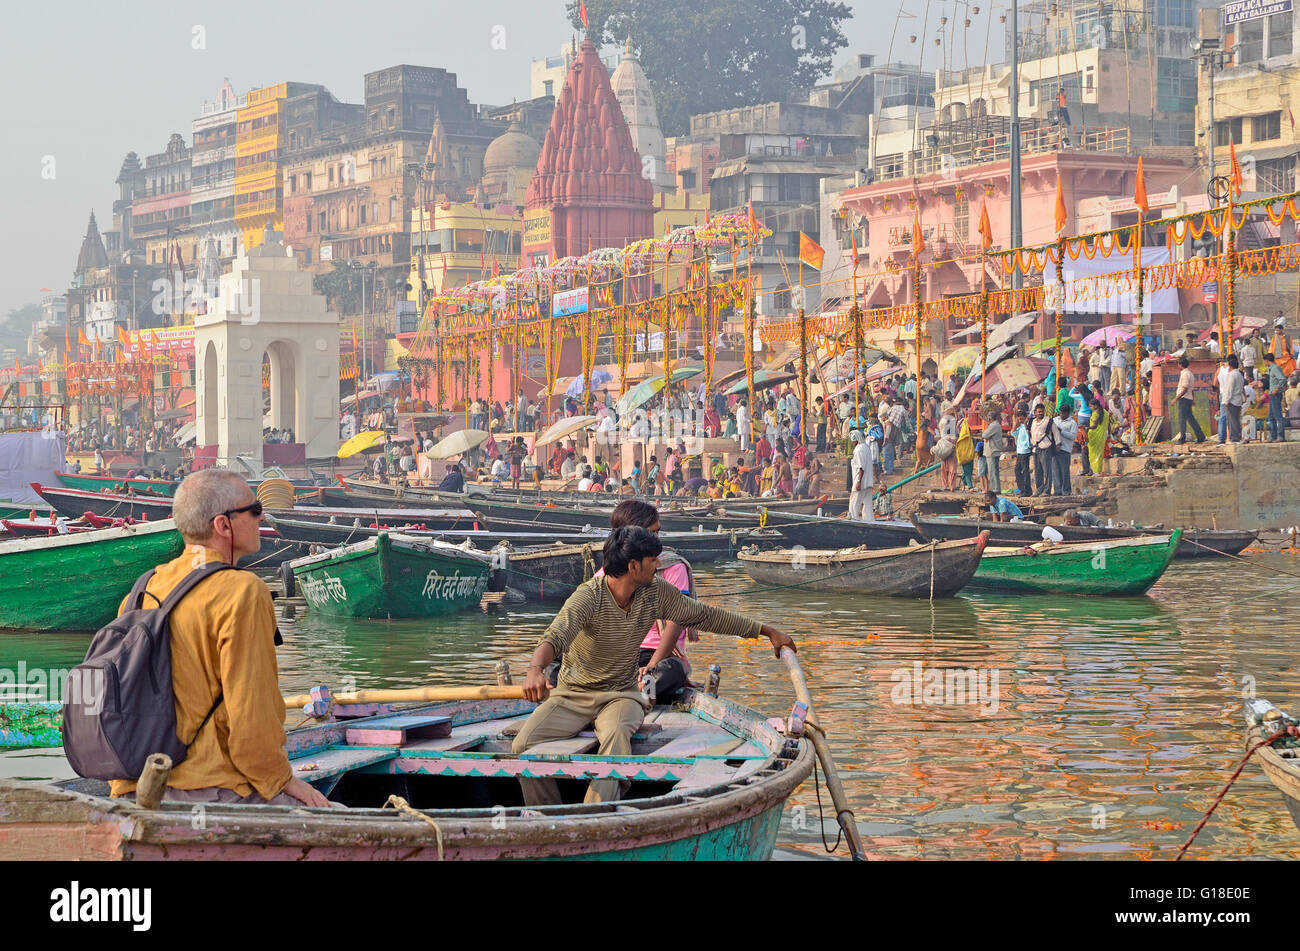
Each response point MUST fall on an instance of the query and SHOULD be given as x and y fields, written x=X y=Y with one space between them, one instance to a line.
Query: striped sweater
x=599 y=640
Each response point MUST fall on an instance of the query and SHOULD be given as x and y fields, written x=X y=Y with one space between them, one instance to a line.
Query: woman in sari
x=948 y=433
x=965 y=453
x=1098 y=432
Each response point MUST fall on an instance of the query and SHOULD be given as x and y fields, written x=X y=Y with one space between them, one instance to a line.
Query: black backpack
x=121 y=706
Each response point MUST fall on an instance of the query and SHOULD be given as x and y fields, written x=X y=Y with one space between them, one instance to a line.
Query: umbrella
x=1003 y=332
x=1015 y=374
x=185 y=433
x=961 y=357
x=995 y=357
x=565 y=427
x=763 y=380
x=361 y=442
x=598 y=378
x=1108 y=335
x=646 y=389
x=1042 y=345
x=458 y=443
x=1244 y=326
x=558 y=387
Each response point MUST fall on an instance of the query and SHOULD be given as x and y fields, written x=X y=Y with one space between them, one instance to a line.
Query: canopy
x=565 y=427
x=360 y=443
x=561 y=383
x=646 y=389
x=961 y=357
x=598 y=378
x=186 y=433
x=458 y=443
x=1003 y=332
x=1109 y=335
x=763 y=380
x=1042 y=345
x=1017 y=373
x=1244 y=326
x=995 y=356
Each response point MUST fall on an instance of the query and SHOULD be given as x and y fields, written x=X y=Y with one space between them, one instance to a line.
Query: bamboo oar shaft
x=416 y=695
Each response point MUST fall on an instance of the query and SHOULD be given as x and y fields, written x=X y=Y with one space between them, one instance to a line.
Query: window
x=1046 y=90
x=307 y=255
x=799 y=188
x=1275 y=175
x=781 y=299
x=1279 y=34
x=1176 y=13
x=1176 y=84
x=309 y=222
x=374 y=211
x=688 y=179
x=961 y=220
x=307 y=181
x=363 y=214
x=392 y=207
x=1250 y=41
x=548 y=87
x=321 y=223
x=1265 y=127
x=331 y=174
x=1227 y=131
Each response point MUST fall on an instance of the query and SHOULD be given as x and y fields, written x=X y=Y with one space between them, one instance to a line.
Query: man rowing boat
x=599 y=632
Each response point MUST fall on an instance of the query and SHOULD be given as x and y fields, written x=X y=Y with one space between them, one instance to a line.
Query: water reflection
x=1114 y=722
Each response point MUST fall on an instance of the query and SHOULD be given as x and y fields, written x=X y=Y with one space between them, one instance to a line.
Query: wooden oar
x=415 y=695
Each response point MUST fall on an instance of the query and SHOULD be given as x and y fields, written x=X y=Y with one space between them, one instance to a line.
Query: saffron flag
x=810 y=252
x=1140 y=190
x=1060 y=215
x=986 y=228
x=918 y=242
x=855 y=250
x=1234 y=178
x=753 y=220
x=81 y=338
x=122 y=336
x=582 y=12
x=67 y=341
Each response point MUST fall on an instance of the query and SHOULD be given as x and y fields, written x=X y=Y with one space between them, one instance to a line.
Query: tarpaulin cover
x=30 y=457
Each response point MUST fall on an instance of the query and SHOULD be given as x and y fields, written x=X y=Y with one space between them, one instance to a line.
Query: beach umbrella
x=1110 y=335
x=1003 y=332
x=1017 y=373
x=185 y=433
x=962 y=357
x=644 y=391
x=598 y=378
x=458 y=443
x=361 y=442
x=566 y=427
x=1042 y=345
x=763 y=380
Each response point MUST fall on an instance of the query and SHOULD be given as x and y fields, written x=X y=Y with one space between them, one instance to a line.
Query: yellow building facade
x=258 y=140
x=460 y=243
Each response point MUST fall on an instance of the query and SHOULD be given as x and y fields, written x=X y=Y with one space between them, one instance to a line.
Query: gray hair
x=202 y=497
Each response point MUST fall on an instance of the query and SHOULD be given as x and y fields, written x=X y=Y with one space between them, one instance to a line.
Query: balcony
x=997 y=148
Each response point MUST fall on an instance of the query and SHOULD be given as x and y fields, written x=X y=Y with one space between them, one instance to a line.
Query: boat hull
x=1281 y=763
x=93 y=571
x=75 y=503
x=820 y=532
x=1123 y=567
x=384 y=578
x=926 y=571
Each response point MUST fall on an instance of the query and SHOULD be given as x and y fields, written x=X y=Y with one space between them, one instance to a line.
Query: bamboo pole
x=414 y=695
x=1060 y=310
x=1137 y=336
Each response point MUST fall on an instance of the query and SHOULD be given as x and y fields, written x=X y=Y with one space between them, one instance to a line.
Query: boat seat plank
x=397 y=731
x=335 y=760
x=515 y=768
x=492 y=728
x=695 y=742
x=448 y=744
x=707 y=773
x=576 y=744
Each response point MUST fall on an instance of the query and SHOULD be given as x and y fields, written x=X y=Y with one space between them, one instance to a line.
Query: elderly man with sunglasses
x=224 y=672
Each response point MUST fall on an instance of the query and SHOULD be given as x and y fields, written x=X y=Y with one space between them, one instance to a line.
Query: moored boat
x=76 y=582
x=1281 y=761
x=1123 y=566
x=937 y=570
x=75 y=503
x=709 y=779
x=393 y=576
x=819 y=531
x=1196 y=543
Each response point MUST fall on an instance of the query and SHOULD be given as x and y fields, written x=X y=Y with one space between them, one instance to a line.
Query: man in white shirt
x=1249 y=353
x=742 y=425
x=1232 y=395
x=864 y=478
x=1066 y=431
x=1118 y=364
x=1213 y=344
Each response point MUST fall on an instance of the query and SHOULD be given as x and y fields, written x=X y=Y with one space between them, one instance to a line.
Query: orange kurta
x=222 y=638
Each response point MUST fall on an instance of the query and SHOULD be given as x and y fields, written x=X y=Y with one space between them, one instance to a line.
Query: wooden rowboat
x=709 y=779
x=393 y=576
x=93 y=572
x=1126 y=566
x=1281 y=761
x=939 y=570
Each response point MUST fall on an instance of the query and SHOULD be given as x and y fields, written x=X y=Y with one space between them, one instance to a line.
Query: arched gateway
x=267 y=309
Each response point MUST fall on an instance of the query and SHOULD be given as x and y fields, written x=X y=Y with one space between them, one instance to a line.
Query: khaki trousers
x=567 y=712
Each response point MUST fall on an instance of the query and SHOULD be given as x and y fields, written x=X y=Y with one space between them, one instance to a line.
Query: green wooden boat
x=87 y=482
x=76 y=582
x=393 y=576
x=1124 y=566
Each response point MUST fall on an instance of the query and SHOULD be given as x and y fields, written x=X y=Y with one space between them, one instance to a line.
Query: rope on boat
x=1246 y=561
x=401 y=805
x=821 y=821
x=1289 y=730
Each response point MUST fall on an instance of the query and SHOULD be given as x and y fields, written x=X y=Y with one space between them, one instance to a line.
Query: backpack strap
x=135 y=600
x=189 y=581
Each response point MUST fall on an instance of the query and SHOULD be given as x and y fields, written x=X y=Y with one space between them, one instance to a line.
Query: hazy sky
x=90 y=81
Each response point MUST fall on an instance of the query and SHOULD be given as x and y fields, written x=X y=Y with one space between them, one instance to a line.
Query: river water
x=1085 y=728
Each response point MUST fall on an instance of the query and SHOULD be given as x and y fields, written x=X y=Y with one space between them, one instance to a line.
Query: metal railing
x=997 y=147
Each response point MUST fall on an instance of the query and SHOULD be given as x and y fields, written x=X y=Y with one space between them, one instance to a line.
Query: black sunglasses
x=254 y=509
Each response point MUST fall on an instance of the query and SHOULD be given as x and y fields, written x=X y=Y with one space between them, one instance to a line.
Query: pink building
x=1097 y=188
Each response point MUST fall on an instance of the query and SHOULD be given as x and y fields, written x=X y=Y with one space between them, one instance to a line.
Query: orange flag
x=81 y=338
x=1060 y=201
x=918 y=242
x=986 y=228
x=753 y=220
x=18 y=367
x=810 y=252
x=122 y=335
x=1140 y=190
x=1234 y=177
x=67 y=341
